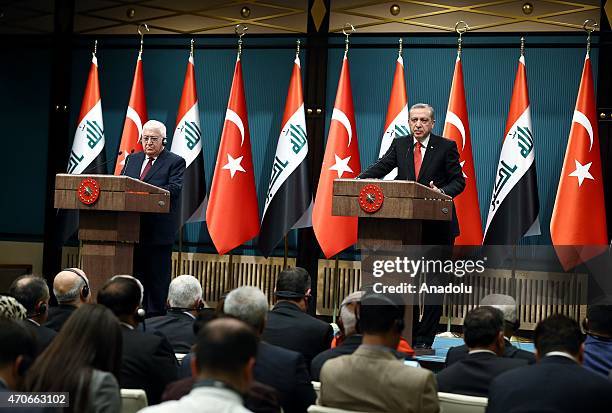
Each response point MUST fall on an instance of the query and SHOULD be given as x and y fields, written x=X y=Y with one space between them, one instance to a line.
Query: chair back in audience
x=133 y=400
x=315 y=408
x=460 y=403
x=316 y=385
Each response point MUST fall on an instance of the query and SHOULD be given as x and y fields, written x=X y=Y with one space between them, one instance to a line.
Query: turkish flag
x=457 y=128
x=135 y=117
x=341 y=160
x=579 y=215
x=232 y=214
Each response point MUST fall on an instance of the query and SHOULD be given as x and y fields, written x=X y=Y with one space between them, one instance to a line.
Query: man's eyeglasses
x=153 y=139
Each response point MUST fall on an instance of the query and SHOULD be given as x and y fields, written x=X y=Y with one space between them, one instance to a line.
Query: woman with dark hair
x=84 y=360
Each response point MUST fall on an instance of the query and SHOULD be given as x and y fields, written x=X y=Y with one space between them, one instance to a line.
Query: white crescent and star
x=233 y=165
x=582 y=172
x=341 y=166
x=341 y=117
x=582 y=119
x=458 y=123
x=233 y=117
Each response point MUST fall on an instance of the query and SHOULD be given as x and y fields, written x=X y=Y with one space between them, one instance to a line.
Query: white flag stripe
x=88 y=140
x=187 y=140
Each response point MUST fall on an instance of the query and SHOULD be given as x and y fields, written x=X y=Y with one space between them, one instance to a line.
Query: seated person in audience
x=83 y=360
x=288 y=325
x=33 y=293
x=507 y=305
x=484 y=336
x=223 y=364
x=557 y=382
x=282 y=369
x=202 y=317
x=598 y=343
x=71 y=289
x=17 y=351
x=373 y=379
x=11 y=309
x=184 y=301
x=147 y=360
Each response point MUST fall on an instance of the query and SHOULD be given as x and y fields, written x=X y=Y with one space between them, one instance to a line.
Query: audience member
x=282 y=369
x=84 y=361
x=598 y=343
x=483 y=333
x=507 y=305
x=33 y=293
x=148 y=361
x=71 y=289
x=184 y=301
x=11 y=309
x=225 y=356
x=350 y=338
x=373 y=378
x=557 y=382
x=17 y=351
x=289 y=325
x=204 y=316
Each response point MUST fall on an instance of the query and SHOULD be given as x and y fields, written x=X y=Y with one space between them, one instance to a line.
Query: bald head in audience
x=71 y=286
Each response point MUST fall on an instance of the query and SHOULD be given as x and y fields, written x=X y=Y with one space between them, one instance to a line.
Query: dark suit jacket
x=286 y=371
x=58 y=316
x=473 y=375
x=348 y=346
x=167 y=173
x=178 y=329
x=440 y=165
x=147 y=363
x=554 y=384
x=289 y=327
x=460 y=352
x=43 y=335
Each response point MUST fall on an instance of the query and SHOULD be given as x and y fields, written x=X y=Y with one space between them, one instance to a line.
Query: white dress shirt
x=424 y=145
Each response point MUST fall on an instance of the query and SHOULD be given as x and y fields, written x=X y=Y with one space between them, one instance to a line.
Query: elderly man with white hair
x=184 y=302
x=284 y=370
x=71 y=290
x=152 y=256
x=507 y=305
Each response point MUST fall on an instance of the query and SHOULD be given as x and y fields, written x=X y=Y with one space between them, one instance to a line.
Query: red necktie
x=418 y=159
x=148 y=166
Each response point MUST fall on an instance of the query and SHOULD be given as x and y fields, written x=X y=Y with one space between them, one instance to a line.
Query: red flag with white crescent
x=578 y=220
x=341 y=160
x=232 y=214
x=457 y=128
x=135 y=117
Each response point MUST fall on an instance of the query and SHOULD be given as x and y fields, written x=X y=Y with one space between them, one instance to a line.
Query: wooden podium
x=110 y=226
x=406 y=205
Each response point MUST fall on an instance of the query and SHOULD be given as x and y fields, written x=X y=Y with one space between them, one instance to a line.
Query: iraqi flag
x=514 y=206
x=187 y=142
x=457 y=128
x=87 y=155
x=341 y=160
x=396 y=122
x=578 y=223
x=135 y=117
x=289 y=196
x=232 y=214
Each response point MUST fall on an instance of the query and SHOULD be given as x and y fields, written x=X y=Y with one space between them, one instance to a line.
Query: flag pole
x=286 y=254
x=346 y=41
x=335 y=298
x=589 y=26
x=460 y=30
x=141 y=33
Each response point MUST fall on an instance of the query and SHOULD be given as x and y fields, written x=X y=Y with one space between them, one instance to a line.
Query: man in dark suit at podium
x=433 y=161
x=152 y=256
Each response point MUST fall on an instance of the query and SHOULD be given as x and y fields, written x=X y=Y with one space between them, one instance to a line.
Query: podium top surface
x=112 y=183
x=392 y=189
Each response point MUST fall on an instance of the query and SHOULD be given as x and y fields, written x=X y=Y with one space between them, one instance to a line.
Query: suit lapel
x=135 y=165
x=156 y=166
x=410 y=159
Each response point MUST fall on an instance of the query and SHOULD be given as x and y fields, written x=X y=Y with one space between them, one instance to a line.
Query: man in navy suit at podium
x=152 y=256
x=433 y=161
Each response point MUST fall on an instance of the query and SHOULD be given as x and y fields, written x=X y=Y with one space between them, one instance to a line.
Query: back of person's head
x=599 y=320
x=90 y=339
x=203 y=317
x=248 y=304
x=17 y=351
x=293 y=284
x=348 y=313
x=11 y=309
x=32 y=292
x=122 y=295
x=505 y=303
x=381 y=314
x=226 y=349
x=558 y=333
x=71 y=286
x=482 y=327
x=185 y=292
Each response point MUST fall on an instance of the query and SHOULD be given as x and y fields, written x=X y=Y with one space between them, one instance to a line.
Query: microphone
x=92 y=167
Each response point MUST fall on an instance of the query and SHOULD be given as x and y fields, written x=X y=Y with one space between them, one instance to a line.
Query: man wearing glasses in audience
x=152 y=256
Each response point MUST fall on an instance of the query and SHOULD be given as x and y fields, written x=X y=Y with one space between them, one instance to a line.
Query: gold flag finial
x=240 y=30
x=460 y=30
x=141 y=33
x=346 y=41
